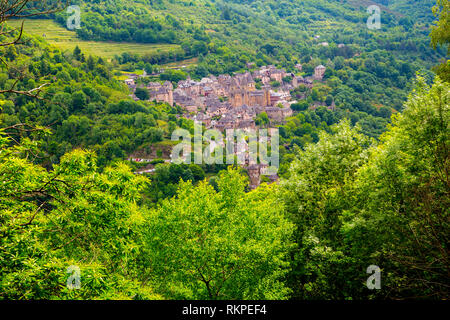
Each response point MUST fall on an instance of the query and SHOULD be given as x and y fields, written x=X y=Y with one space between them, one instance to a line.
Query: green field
x=67 y=40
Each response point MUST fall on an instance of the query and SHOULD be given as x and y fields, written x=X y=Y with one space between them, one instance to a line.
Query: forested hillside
x=81 y=102
x=369 y=71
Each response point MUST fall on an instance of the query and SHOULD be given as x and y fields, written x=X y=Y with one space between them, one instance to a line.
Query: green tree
x=226 y=13
x=386 y=205
x=262 y=119
x=205 y=244
x=77 y=52
x=300 y=106
x=401 y=215
x=90 y=63
x=79 y=101
x=173 y=75
x=315 y=195
x=440 y=35
x=142 y=93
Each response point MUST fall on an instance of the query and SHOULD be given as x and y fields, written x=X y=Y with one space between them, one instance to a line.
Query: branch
x=34 y=215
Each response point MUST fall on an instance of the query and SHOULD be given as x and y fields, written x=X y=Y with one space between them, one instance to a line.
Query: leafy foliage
x=386 y=206
x=82 y=104
x=345 y=200
x=228 y=244
x=71 y=215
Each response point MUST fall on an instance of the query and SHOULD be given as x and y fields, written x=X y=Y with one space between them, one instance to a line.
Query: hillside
x=64 y=39
x=246 y=26
x=369 y=72
x=82 y=104
x=377 y=66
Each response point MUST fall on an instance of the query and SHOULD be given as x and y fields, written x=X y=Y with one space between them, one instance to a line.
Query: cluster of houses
x=233 y=102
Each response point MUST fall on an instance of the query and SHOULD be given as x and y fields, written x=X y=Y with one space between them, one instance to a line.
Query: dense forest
x=365 y=183
x=369 y=72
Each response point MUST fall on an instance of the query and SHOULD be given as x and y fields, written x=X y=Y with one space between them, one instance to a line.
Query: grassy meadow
x=68 y=40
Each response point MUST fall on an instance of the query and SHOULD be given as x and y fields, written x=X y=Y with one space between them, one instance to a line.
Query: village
x=234 y=102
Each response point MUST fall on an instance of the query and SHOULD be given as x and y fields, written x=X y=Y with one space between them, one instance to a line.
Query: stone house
x=319 y=72
x=204 y=119
x=161 y=92
x=277 y=114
